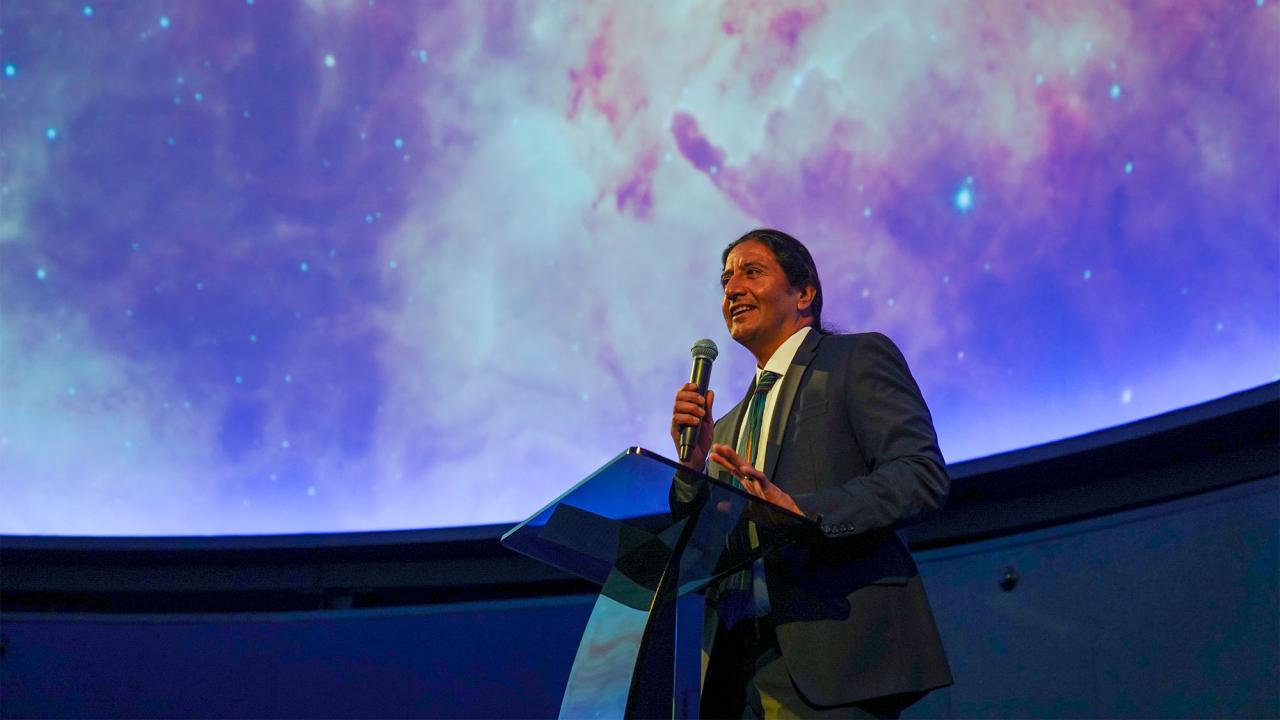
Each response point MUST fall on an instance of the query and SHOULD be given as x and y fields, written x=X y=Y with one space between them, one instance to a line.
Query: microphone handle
x=700 y=375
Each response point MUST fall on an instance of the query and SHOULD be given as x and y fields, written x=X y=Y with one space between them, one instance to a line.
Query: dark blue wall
x=488 y=660
x=1166 y=611
x=1169 y=611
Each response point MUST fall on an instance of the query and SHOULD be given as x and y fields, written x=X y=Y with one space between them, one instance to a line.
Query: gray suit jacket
x=852 y=442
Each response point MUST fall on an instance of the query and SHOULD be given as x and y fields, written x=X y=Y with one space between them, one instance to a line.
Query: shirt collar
x=786 y=352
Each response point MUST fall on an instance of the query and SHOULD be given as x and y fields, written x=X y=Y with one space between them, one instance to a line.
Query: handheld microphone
x=704 y=353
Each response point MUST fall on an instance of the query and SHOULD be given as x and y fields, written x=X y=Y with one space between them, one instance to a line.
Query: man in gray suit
x=833 y=427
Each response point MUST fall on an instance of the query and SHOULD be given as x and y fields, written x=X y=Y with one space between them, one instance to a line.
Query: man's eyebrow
x=748 y=265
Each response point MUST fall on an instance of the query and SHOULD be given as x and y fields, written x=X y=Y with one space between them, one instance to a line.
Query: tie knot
x=766 y=381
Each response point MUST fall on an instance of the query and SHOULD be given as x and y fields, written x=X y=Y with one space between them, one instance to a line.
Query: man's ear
x=805 y=300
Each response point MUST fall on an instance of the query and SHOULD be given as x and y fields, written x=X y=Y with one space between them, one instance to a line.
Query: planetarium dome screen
x=275 y=266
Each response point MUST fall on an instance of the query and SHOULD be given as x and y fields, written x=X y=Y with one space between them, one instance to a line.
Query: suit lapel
x=728 y=427
x=732 y=420
x=786 y=396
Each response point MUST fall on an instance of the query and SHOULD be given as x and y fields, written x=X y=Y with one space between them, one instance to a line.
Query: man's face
x=760 y=307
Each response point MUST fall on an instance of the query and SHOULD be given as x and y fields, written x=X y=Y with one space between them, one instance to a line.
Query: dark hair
x=796 y=263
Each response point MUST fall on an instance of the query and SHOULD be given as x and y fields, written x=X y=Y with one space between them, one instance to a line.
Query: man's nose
x=732 y=287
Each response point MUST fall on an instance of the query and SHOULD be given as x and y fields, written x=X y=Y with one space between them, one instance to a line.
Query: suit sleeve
x=907 y=477
x=682 y=493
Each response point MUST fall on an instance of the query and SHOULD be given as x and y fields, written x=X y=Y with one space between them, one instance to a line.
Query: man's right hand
x=691 y=409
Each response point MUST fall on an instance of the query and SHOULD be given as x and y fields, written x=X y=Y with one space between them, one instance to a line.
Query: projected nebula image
x=271 y=266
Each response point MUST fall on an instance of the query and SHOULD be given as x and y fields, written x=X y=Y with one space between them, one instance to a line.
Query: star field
x=311 y=266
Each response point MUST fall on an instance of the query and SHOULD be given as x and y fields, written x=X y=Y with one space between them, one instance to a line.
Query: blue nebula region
x=272 y=267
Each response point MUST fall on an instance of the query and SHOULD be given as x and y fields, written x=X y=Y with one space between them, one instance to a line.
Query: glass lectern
x=647 y=530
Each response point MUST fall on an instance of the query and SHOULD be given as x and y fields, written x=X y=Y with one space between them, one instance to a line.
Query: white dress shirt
x=779 y=362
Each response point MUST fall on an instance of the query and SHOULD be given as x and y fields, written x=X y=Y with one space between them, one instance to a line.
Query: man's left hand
x=753 y=481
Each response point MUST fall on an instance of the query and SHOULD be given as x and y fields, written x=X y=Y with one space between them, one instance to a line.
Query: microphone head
x=705 y=348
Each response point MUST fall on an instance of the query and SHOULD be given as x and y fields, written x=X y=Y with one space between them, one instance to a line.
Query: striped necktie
x=749 y=442
x=751 y=597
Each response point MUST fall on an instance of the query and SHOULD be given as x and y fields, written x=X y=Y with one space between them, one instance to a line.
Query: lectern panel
x=617 y=526
x=647 y=530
